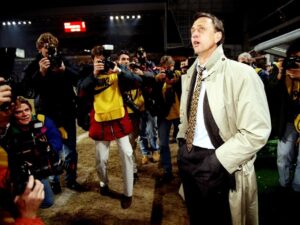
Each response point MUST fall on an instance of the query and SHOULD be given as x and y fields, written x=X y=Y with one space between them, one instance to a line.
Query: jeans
x=56 y=178
x=286 y=157
x=49 y=195
x=148 y=133
x=70 y=152
x=164 y=127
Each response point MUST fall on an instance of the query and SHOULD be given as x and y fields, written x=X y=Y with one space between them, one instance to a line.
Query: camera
x=7 y=60
x=31 y=154
x=108 y=62
x=291 y=62
x=135 y=65
x=53 y=56
x=169 y=74
x=129 y=102
x=9 y=81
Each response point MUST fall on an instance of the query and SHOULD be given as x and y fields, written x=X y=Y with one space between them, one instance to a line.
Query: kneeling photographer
x=33 y=144
x=23 y=208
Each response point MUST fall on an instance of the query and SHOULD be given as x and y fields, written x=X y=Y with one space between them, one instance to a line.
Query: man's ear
x=218 y=36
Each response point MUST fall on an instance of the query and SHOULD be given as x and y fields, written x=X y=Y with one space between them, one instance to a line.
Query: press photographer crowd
x=127 y=98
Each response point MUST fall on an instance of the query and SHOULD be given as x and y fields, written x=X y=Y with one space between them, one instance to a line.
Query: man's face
x=124 y=60
x=23 y=114
x=204 y=37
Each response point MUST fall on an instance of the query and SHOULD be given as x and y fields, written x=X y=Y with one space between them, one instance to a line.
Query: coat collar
x=212 y=61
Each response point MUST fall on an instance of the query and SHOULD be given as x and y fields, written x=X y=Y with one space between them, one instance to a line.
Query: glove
x=63 y=133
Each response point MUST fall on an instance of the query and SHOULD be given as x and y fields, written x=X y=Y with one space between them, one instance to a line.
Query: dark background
x=164 y=27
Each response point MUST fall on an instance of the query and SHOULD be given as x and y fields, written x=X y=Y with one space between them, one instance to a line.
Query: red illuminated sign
x=75 y=26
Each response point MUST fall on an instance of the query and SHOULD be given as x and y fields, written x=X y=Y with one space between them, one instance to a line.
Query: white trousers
x=125 y=151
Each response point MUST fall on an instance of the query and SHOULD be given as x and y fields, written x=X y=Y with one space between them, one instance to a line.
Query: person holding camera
x=109 y=120
x=23 y=208
x=51 y=79
x=134 y=101
x=34 y=144
x=168 y=81
x=288 y=103
x=148 y=135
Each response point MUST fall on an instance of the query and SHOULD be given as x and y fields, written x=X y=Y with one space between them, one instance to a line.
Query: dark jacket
x=54 y=93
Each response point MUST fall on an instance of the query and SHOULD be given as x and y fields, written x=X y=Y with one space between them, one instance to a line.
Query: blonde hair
x=167 y=60
x=21 y=100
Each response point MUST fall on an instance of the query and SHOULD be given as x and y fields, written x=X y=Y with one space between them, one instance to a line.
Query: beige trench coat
x=239 y=106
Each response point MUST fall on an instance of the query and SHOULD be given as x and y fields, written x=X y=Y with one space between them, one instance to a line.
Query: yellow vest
x=174 y=112
x=108 y=104
x=138 y=100
x=3 y=158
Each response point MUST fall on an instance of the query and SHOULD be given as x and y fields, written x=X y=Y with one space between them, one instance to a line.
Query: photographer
x=134 y=101
x=50 y=79
x=148 y=134
x=168 y=97
x=110 y=121
x=33 y=143
x=23 y=208
x=289 y=108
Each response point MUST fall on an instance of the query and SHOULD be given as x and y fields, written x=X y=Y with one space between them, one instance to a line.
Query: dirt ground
x=153 y=203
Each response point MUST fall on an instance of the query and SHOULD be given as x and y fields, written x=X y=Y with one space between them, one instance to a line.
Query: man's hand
x=44 y=65
x=5 y=114
x=98 y=67
x=5 y=91
x=29 y=202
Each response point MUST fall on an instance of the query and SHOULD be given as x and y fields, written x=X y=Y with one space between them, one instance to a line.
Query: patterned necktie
x=193 y=111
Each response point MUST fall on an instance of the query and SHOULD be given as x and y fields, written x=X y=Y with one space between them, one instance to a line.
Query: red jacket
x=109 y=130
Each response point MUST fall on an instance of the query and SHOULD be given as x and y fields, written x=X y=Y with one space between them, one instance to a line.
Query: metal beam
x=280 y=42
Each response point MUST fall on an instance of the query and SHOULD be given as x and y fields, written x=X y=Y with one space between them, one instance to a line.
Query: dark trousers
x=206 y=186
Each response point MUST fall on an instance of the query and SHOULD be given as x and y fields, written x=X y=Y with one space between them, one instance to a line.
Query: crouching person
x=19 y=209
x=33 y=144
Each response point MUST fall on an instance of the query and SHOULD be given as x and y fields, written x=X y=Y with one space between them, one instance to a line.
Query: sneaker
x=105 y=190
x=126 y=201
x=75 y=186
x=56 y=188
x=156 y=156
x=145 y=160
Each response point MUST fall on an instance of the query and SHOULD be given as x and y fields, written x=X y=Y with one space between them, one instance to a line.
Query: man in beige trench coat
x=232 y=123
